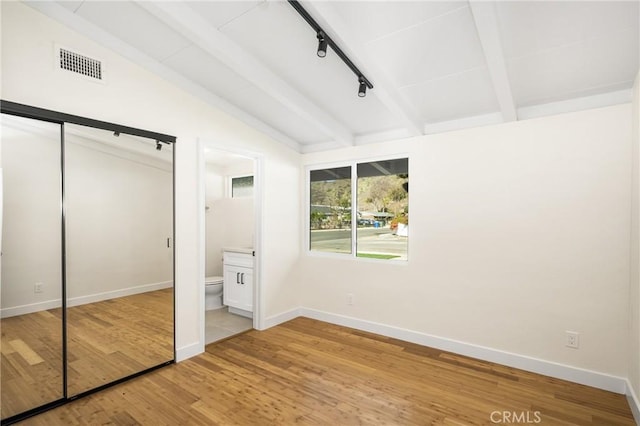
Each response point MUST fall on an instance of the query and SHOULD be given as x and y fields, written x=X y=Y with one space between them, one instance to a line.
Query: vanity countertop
x=245 y=250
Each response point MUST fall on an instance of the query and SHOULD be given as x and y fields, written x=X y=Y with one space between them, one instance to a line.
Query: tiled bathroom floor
x=220 y=323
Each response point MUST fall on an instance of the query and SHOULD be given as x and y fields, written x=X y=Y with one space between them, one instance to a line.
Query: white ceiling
x=435 y=65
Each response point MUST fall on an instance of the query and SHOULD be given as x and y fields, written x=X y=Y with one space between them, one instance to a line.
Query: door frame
x=258 y=199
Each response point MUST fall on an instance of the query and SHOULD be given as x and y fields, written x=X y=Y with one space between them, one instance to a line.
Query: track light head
x=322 y=44
x=116 y=134
x=158 y=146
x=362 y=90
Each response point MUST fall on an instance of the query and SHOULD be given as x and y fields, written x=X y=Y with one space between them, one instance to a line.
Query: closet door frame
x=27 y=111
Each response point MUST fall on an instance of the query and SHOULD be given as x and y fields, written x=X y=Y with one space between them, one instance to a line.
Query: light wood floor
x=310 y=372
x=106 y=341
x=118 y=337
x=31 y=361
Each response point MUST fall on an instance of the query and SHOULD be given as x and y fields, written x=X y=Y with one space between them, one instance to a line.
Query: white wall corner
x=534 y=365
x=280 y=318
x=189 y=351
x=634 y=402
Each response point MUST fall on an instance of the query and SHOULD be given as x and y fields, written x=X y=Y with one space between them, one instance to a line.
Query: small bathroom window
x=242 y=186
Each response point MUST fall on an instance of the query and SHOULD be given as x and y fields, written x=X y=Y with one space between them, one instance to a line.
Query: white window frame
x=353 y=163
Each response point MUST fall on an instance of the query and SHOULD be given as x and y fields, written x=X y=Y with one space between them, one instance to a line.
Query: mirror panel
x=119 y=277
x=31 y=347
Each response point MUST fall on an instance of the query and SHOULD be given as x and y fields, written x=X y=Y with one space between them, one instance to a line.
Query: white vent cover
x=81 y=64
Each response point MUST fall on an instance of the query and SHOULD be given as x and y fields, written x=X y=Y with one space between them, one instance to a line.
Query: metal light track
x=312 y=22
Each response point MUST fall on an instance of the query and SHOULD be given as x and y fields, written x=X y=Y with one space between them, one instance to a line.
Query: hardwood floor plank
x=313 y=373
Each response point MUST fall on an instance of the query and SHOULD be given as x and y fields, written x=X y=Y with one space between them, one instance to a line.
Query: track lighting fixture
x=158 y=146
x=322 y=44
x=116 y=134
x=324 y=40
x=362 y=90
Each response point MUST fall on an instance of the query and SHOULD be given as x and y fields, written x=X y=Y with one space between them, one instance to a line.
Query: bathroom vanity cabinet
x=238 y=281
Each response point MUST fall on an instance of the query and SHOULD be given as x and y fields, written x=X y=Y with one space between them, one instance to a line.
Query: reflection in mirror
x=119 y=230
x=31 y=271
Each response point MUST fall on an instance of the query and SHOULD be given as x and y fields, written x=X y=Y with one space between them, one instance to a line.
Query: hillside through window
x=383 y=209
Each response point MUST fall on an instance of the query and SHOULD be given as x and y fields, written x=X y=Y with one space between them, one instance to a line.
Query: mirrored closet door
x=119 y=277
x=86 y=271
x=31 y=348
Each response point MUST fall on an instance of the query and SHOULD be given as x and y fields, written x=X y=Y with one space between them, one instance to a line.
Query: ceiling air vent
x=84 y=65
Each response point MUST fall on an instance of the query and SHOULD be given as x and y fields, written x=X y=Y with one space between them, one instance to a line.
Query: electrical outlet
x=350 y=299
x=573 y=339
x=37 y=288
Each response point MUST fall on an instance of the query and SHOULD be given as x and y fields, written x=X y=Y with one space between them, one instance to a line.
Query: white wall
x=518 y=232
x=118 y=216
x=138 y=98
x=634 y=283
x=241 y=167
x=230 y=222
x=31 y=234
x=214 y=191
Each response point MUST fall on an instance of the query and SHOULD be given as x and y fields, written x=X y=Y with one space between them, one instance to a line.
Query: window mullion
x=354 y=209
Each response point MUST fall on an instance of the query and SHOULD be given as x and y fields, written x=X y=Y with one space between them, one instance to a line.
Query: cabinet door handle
x=237 y=277
x=242 y=278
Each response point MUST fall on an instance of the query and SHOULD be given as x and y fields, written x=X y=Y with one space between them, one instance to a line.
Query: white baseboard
x=547 y=368
x=189 y=351
x=82 y=300
x=634 y=403
x=30 y=308
x=280 y=318
x=241 y=312
x=107 y=295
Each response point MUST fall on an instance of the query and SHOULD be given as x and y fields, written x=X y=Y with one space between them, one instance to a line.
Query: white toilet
x=213 y=293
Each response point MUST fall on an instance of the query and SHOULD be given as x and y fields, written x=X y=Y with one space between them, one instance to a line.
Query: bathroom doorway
x=231 y=195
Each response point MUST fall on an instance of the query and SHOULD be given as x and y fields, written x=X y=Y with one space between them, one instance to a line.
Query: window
x=330 y=197
x=242 y=186
x=383 y=209
x=380 y=226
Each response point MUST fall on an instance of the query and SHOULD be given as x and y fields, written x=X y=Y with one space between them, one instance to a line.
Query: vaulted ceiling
x=435 y=65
